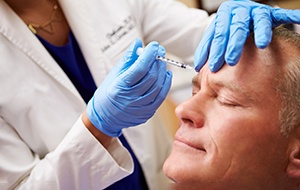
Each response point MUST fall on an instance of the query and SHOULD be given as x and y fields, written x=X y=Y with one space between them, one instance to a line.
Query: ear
x=293 y=168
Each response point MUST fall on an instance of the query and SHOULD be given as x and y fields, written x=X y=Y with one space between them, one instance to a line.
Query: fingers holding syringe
x=162 y=79
x=148 y=76
x=155 y=85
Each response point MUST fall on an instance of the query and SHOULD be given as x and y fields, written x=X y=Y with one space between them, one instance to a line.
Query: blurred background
x=212 y=5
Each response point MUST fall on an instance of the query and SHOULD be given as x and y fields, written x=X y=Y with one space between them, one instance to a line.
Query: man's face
x=229 y=134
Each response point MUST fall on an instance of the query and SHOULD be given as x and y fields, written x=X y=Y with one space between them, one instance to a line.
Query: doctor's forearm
x=101 y=137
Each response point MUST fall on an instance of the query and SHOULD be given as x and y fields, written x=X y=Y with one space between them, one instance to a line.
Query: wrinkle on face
x=238 y=90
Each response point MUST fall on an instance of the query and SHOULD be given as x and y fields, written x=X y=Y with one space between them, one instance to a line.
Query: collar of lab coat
x=16 y=31
x=85 y=29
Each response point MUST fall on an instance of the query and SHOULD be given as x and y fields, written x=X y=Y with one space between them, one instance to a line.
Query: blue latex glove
x=225 y=37
x=132 y=91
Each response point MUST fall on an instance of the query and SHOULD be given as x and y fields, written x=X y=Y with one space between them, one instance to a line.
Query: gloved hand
x=132 y=91
x=228 y=32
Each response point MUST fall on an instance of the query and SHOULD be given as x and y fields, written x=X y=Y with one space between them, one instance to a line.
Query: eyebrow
x=233 y=87
x=236 y=89
x=195 y=81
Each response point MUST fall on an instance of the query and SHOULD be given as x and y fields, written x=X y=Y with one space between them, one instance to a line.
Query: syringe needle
x=167 y=60
x=175 y=63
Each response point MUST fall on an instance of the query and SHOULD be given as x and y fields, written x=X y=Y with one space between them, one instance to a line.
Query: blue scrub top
x=71 y=60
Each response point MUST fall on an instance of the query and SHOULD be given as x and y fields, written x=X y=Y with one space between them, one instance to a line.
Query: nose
x=191 y=112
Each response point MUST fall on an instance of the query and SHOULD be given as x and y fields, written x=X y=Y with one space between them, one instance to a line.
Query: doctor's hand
x=223 y=41
x=132 y=91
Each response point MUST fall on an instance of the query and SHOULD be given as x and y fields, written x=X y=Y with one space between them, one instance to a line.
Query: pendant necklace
x=47 y=25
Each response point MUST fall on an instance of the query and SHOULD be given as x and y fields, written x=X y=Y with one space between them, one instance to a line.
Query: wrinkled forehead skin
x=256 y=72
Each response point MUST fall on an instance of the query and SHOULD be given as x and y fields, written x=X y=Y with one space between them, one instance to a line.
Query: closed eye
x=226 y=102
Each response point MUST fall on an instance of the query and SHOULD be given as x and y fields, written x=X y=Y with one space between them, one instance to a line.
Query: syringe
x=167 y=60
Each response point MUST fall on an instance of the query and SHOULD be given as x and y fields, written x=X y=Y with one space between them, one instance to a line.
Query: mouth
x=189 y=144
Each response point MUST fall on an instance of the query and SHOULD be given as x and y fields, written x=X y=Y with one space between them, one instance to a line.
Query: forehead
x=248 y=79
x=255 y=74
x=214 y=80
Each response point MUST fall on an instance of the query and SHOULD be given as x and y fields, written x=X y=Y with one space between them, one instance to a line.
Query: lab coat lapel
x=85 y=29
x=18 y=34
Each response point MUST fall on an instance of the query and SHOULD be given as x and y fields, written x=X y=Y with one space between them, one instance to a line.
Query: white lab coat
x=43 y=142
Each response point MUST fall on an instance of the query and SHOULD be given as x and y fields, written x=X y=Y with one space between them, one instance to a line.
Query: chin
x=169 y=170
x=185 y=163
x=178 y=170
x=184 y=179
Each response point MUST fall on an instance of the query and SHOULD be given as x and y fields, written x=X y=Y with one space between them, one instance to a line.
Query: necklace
x=47 y=25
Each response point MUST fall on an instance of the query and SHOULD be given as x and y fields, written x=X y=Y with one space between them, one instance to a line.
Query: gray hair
x=288 y=81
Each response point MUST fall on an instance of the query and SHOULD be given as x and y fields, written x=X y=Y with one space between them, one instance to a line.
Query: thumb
x=130 y=56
